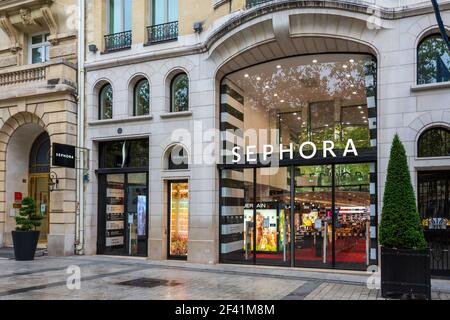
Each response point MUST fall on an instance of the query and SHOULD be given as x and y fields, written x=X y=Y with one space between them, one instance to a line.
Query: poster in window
x=142 y=214
x=266 y=229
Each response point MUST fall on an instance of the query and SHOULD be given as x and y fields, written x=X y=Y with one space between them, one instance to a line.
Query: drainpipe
x=79 y=221
x=440 y=23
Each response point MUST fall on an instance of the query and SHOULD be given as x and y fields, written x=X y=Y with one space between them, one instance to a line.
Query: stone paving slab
x=101 y=278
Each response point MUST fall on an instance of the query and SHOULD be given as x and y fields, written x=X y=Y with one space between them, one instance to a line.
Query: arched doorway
x=38 y=177
x=304 y=211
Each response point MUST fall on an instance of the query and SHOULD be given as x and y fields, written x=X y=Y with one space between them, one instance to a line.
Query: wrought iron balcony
x=118 y=41
x=254 y=3
x=162 y=32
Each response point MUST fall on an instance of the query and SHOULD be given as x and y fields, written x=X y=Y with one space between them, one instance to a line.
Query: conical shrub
x=400 y=222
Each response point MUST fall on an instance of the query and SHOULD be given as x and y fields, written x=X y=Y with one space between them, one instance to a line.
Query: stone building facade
x=173 y=80
x=212 y=40
x=38 y=107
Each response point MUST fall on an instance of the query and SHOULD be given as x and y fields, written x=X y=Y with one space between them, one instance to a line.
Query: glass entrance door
x=39 y=191
x=313 y=216
x=137 y=214
x=178 y=204
x=123 y=214
x=332 y=216
x=352 y=216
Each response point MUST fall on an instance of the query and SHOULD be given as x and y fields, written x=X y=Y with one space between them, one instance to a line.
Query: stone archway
x=278 y=38
x=17 y=134
x=16 y=137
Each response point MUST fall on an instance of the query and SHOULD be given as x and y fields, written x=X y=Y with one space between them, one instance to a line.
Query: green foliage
x=400 y=222
x=28 y=217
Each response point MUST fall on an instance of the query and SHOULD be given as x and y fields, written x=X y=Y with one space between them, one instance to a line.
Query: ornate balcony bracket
x=51 y=23
x=11 y=31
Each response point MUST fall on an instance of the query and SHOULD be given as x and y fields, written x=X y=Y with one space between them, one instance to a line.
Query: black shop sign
x=63 y=155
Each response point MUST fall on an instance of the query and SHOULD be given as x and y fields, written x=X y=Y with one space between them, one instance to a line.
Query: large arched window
x=142 y=98
x=433 y=60
x=40 y=154
x=179 y=93
x=105 y=102
x=434 y=142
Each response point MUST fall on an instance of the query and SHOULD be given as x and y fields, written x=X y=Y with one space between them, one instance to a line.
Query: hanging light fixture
x=53 y=181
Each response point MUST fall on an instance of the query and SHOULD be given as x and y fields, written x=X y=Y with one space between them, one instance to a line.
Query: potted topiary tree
x=26 y=237
x=405 y=258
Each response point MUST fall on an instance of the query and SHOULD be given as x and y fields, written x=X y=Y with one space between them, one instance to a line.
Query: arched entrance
x=38 y=178
x=27 y=169
x=301 y=86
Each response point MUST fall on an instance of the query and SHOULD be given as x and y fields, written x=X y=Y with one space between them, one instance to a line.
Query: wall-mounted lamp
x=198 y=27
x=53 y=181
x=93 y=48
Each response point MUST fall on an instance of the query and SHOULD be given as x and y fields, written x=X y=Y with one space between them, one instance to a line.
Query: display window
x=328 y=227
x=298 y=177
x=123 y=199
x=269 y=228
x=178 y=219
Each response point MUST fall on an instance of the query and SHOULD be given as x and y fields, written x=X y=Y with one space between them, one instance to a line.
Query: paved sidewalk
x=105 y=277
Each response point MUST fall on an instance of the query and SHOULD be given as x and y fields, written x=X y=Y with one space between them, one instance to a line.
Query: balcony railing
x=253 y=3
x=22 y=76
x=118 y=41
x=162 y=32
x=40 y=78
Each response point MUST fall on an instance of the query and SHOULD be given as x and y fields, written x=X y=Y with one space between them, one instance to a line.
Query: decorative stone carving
x=8 y=28
x=51 y=23
x=27 y=18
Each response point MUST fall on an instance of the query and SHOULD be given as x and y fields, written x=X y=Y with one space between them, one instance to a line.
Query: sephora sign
x=307 y=150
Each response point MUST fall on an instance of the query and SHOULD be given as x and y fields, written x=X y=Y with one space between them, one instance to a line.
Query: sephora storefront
x=298 y=180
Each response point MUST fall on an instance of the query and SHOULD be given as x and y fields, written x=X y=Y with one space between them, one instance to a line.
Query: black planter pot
x=405 y=274
x=25 y=243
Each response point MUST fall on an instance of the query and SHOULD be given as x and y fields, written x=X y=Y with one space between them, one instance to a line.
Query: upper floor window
x=434 y=142
x=179 y=92
x=142 y=98
x=39 y=48
x=106 y=102
x=433 y=60
x=164 y=11
x=120 y=15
